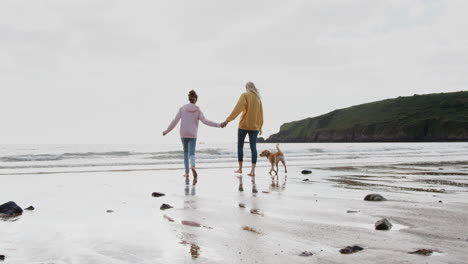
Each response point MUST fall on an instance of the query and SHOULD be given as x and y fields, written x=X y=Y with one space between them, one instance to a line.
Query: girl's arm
x=173 y=124
x=208 y=122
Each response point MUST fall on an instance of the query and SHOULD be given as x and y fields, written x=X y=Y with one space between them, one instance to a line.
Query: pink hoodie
x=190 y=114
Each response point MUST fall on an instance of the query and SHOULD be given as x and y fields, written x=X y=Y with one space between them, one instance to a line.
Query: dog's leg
x=284 y=164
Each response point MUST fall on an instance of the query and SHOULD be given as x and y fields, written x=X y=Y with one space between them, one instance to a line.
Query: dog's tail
x=277 y=147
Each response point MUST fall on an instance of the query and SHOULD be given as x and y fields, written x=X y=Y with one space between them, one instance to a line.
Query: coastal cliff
x=430 y=117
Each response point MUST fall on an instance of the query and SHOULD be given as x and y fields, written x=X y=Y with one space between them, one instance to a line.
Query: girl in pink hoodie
x=190 y=114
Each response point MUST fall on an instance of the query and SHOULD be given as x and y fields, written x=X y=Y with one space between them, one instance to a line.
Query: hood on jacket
x=190 y=108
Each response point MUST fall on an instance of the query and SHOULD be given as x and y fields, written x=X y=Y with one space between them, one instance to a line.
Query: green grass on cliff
x=414 y=118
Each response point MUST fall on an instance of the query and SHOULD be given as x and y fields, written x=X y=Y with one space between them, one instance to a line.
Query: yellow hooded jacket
x=252 y=112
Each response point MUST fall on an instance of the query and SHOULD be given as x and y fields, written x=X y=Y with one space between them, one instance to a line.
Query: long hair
x=251 y=87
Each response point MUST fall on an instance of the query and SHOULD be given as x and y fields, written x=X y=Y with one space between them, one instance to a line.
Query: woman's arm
x=261 y=118
x=173 y=124
x=206 y=121
x=240 y=106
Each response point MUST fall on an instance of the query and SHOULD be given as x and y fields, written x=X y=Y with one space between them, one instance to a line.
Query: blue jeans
x=189 y=152
x=241 y=134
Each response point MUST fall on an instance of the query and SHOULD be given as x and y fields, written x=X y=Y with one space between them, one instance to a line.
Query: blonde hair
x=250 y=86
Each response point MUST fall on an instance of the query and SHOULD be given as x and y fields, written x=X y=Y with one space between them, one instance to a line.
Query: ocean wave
x=55 y=157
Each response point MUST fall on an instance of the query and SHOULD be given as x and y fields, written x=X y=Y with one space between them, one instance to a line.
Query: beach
x=94 y=204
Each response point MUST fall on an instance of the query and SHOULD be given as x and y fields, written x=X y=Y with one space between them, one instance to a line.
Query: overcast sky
x=107 y=71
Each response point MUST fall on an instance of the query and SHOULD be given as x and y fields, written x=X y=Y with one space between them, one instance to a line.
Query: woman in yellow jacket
x=251 y=122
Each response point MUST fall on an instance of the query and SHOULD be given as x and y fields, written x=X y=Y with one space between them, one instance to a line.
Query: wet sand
x=426 y=205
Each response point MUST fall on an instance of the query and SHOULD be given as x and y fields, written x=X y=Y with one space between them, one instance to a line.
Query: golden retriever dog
x=275 y=158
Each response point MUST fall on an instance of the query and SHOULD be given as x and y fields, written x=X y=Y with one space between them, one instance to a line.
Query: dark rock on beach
x=352 y=211
x=30 y=208
x=2 y=257
x=242 y=205
x=109 y=211
x=10 y=209
x=256 y=211
x=306 y=172
x=157 y=194
x=374 y=197
x=305 y=180
x=165 y=206
x=306 y=254
x=423 y=252
x=383 y=224
x=351 y=249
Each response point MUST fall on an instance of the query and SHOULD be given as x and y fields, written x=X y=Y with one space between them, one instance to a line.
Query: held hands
x=223 y=124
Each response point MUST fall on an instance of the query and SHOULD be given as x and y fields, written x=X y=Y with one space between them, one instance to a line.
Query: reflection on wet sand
x=241 y=185
x=275 y=186
x=194 y=251
x=187 y=189
x=190 y=190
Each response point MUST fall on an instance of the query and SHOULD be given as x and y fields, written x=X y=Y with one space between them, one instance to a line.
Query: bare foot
x=195 y=180
x=241 y=188
x=252 y=174
x=186 y=175
x=238 y=171
x=194 y=172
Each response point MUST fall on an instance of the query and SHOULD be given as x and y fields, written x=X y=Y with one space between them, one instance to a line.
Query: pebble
x=352 y=211
x=242 y=205
x=423 y=252
x=374 y=197
x=165 y=206
x=109 y=211
x=306 y=254
x=305 y=180
x=351 y=249
x=2 y=257
x=157 y=194
x=256 y=211
x=30 y=208
x=383 y=224
x=306 y=172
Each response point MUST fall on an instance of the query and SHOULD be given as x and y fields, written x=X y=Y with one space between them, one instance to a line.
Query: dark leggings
x=241 y=134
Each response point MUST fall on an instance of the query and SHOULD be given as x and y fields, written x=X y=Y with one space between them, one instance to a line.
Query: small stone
x=10 y=209
x=2 y=257
x=256 y=211
x=30 y=208
x=191 y=223
x=351 y=249
x=440 y=202
x=422 y=252
x=306 y=172
x=352 y=211
x=242 y=205
x=170 y=219
x=305 y=180
x=254 y=190
x=265 y=192
x=165 y=206
x=109 y=211
x=306 y=254
x=157 y=194
x=383 y=224
x=374 y=197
